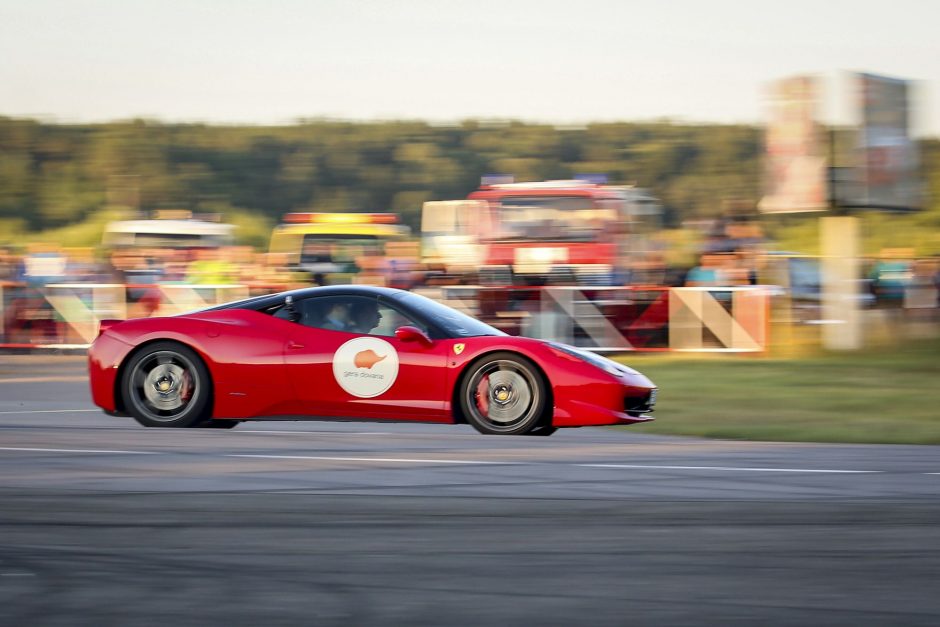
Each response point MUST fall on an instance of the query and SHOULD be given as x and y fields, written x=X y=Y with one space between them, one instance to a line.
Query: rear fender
x=122 y=368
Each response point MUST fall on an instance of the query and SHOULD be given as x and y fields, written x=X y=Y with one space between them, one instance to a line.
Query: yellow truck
x=339 y=247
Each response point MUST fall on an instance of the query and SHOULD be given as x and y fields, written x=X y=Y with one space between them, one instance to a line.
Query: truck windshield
x=560 y=218
x=163 y=240
x=339 y=249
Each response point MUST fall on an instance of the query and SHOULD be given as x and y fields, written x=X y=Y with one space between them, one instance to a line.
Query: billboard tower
x=881 y=172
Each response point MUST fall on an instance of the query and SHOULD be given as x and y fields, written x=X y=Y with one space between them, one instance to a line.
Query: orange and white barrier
x=66 y=315
x=611 y=319
x=703 y=319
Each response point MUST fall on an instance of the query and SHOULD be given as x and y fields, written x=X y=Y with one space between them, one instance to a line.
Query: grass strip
x=887 y=397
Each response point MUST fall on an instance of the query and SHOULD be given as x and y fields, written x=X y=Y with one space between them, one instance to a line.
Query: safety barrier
x=728 y=319
x=66 y=315
x=636 y=318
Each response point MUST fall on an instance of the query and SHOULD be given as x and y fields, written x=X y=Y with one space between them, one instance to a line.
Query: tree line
x=57 y=174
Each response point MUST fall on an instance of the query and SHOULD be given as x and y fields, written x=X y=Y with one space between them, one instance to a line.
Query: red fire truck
x=537 y=233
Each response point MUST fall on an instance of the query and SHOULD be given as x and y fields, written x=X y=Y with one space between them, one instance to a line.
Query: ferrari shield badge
x=458 y=348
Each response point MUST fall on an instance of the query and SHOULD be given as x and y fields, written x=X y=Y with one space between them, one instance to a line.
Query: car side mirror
x=409 y=333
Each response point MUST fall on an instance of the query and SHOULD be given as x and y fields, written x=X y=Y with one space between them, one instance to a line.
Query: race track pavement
x=327 y=523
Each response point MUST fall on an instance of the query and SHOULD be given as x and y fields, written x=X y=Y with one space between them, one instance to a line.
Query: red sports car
x=354 y=352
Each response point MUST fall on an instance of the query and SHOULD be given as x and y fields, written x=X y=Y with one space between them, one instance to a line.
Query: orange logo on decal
x=367 y=359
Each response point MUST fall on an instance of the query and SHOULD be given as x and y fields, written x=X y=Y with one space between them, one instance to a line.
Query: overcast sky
x=271 y=61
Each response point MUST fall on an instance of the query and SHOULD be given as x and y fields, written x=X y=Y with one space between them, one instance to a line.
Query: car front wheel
x=503 y=393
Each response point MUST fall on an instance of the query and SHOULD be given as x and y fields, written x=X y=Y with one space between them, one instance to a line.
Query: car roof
x=261 y=302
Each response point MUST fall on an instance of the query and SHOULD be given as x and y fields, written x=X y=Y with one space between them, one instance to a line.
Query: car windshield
x=455 y=323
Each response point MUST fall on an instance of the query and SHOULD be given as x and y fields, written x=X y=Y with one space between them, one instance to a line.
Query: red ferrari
x=354 y=352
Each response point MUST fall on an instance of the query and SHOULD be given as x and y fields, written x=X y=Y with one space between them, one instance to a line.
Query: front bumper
x=627 y=399
x=638 y=406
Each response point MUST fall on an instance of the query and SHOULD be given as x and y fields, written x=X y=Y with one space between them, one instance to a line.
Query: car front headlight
x=607 y=365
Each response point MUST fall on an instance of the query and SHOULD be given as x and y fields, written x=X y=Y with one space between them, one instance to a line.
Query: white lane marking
x=466 y=462
x=397 y=460
x=63 y=379
x=727 y=468
x=78 y=450
x=17 y=574
x=400 y=434
x=48 y=411
x=312 y=432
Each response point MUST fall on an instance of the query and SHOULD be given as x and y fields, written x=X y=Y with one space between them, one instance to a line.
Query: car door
x=339 y=368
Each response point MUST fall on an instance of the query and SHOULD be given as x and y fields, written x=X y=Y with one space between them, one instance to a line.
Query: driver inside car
x=364 y=316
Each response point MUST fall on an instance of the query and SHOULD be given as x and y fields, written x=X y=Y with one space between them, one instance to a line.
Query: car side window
x=352 y=314
x=324 y=312
x=390 y=319
x=333 y=313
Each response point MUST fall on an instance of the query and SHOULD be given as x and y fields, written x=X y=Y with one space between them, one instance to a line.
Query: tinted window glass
x=454 y=323
x=331 y=312
x=389 y=319
x=352 y=314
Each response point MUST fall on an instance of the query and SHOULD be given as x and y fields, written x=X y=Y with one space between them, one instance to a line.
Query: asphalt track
x=103 y=522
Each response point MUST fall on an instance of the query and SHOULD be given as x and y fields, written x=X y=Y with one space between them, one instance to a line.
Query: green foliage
x=252 y=228
x=12 y=231
x=919 y=232
x=56 y=175
x=84 y=234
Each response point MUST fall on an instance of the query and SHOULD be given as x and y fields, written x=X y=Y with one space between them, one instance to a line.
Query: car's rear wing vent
x=104 y=325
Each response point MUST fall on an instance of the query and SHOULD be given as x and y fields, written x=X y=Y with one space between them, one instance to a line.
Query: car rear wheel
x=166 y=385
x=503 y=393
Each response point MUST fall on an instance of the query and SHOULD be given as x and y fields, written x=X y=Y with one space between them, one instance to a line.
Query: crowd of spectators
x=891 y=280
x=42 y=265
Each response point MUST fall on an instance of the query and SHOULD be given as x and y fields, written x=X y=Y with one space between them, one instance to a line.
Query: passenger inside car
x=337 y=317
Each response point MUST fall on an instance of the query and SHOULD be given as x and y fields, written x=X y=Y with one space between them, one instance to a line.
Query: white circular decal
x=366 y=366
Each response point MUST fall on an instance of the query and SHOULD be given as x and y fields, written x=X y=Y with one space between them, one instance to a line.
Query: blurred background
x=739 y=199
x=685 y=179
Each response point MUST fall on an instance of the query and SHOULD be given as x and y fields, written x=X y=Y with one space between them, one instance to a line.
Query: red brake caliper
x=186 y=388
x=483 y=395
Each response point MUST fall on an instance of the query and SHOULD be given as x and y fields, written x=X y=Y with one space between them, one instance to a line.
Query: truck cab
x=337 y=246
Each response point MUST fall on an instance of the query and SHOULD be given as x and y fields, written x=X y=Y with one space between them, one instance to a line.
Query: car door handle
x=294 y=345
